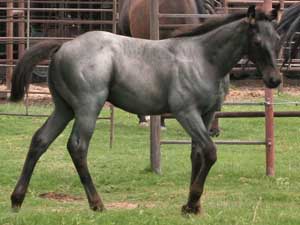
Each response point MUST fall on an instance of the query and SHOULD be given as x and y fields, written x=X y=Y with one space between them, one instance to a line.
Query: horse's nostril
x=274 y=82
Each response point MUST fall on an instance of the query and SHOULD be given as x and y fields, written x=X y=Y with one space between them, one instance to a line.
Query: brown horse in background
x=135 y=21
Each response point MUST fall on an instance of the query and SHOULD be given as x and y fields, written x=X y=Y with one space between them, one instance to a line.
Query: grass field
x=237 y=190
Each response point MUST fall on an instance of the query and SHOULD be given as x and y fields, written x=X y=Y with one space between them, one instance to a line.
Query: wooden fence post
x=155 y=120
x=269 y=121
x=9 y=44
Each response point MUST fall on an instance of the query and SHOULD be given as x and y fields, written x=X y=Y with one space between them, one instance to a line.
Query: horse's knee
x=195 y=154
x=211 y=154
x=73 y=144
x=39 y=145
x=76 y=146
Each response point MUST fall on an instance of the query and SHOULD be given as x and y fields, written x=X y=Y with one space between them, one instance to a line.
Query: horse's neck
x=225 y=46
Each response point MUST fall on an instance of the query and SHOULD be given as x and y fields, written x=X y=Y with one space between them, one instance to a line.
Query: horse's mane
x=288 y=17
x=288 y=26
x=210 y=25
x=206 y=6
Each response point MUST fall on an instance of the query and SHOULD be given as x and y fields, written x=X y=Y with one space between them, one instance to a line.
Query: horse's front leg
x=203 y=156
x=202 y=159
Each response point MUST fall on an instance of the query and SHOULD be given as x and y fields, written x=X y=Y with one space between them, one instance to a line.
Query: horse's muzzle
x=272 y=82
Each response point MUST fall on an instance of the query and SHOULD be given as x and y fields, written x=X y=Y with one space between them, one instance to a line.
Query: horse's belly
x=139 y=102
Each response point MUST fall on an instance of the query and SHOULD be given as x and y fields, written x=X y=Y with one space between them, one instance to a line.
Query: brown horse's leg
x=39 y=144
x=78 y=148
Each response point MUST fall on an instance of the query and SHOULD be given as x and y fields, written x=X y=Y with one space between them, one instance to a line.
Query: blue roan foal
x=179 y=75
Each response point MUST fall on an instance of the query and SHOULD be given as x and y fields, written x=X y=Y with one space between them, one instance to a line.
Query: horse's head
x=262 y=51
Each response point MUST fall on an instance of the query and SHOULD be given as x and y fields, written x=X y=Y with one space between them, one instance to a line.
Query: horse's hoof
x=214 y=132
x=15 y=206
x=15 y=209
x=143 y=124
x=186 y=209
x=98 y=208
x=16 y=202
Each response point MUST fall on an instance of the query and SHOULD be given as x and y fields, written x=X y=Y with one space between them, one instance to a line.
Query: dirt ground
x=251 y=89
x=240 y=90
x=60 y=197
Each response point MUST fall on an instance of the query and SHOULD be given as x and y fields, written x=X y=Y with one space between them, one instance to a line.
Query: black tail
x=23 y=70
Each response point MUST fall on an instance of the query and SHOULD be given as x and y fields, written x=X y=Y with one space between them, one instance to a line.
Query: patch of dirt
x=121 y=205
x=41 y=94
x=128 y=205
x=254 y=89
x=60 y=197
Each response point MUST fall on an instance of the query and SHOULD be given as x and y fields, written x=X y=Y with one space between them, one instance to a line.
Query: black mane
x=288 y=26
x=288 y=17
x=211 y=24
x=215 y=23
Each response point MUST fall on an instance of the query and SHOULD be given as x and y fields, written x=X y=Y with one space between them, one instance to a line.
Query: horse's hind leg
x=85 y=120
x=39 y=144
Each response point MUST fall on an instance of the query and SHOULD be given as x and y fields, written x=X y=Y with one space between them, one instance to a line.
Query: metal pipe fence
x=268 y=114
x=25 y=22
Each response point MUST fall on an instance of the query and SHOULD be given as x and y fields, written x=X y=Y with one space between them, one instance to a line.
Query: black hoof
x=97 y=208
x=15 y=208
x=214 y=132
x=196 y=210
x=16 y=202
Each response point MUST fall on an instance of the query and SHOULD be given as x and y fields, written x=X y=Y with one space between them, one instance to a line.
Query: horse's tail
x=23 y=71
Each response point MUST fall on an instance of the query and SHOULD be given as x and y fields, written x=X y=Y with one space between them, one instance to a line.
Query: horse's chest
x=207 y=100
x=206 y=95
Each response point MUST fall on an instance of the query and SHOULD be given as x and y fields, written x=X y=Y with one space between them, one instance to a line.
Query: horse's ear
x=251 y=14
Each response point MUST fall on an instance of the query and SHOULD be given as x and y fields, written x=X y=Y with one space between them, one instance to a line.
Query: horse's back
x=127 y=70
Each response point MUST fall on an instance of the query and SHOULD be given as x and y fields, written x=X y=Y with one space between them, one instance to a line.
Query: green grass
x=237 y=190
